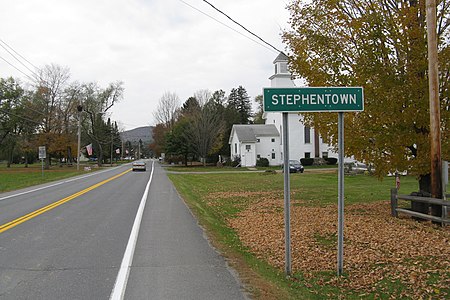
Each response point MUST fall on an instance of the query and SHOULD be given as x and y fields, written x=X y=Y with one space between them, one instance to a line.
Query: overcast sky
x=153 y=46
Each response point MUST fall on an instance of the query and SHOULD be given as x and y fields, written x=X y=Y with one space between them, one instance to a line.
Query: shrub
x=262 y=162
x=307 y=161
x=331 y=161
x=236 y=161
x=174 y=159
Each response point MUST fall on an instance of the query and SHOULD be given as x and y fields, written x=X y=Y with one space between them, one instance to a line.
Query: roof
x=281 y=57
x=250 y=133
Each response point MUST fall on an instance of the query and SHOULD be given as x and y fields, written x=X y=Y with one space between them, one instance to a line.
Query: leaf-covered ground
x=398 y=257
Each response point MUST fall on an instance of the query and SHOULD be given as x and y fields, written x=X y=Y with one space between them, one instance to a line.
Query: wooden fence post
x=394 y=202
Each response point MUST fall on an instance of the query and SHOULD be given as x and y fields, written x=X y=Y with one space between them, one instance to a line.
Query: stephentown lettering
x=313 y=99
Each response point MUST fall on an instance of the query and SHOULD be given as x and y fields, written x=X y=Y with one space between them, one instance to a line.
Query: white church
x=252 y=142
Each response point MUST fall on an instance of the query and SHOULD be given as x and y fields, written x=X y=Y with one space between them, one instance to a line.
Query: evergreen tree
x=239 y=101
x=190 y=107
x=258 y=117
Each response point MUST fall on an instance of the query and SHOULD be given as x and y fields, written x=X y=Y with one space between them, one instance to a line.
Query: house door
x=249 y=156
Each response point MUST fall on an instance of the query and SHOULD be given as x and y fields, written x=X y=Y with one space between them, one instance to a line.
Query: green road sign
x=314 y=99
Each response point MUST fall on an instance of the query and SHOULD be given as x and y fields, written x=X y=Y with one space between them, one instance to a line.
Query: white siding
x=235 y=146
x=297 y=145
x=266 y=147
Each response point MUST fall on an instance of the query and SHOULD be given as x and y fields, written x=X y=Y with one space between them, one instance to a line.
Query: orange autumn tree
x=381 y=46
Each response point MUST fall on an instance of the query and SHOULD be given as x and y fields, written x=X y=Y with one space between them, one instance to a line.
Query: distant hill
x=144 y=133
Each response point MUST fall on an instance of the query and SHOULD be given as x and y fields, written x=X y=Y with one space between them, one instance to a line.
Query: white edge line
x=55 y=184
x=120 y=285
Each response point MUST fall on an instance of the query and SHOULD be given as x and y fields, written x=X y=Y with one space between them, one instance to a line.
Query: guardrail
x=395 y=209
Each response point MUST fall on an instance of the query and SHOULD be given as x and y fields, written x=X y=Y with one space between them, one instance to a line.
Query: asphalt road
x=70 y=241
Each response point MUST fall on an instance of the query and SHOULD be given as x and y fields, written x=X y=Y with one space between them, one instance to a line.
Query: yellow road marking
x=51 y=206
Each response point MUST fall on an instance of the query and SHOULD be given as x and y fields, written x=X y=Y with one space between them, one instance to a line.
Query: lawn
x=18 y=176
x=199 y=168
x=383 y=257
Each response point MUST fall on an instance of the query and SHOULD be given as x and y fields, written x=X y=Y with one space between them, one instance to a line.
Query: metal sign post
x=287 y=196
x=42 y=155
x=340 y=255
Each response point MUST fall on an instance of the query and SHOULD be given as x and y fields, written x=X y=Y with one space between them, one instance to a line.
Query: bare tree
x=52 y=82
x=111 y=95
x=96 y=103
x=168 y=106
x=50 y=102
x=207 y=128
x=202 y=96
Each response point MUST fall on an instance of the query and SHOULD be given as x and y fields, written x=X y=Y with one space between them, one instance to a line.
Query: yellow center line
x=51 y=206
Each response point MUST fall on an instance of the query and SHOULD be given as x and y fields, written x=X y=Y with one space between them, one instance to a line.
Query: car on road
x=402 y=173
x=139 y=165
x=356 y=167
x=295 y=166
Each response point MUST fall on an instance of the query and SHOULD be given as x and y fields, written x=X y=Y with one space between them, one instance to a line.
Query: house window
x=248 y=147
x=273 y=155
x=307 y=154
x=307 y=135
x=325 y=155
x=273 y=140
x=258 y=140
x=235 y=148
x=276 y=69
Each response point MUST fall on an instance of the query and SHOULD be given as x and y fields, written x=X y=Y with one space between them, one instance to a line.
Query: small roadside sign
x=42 y=152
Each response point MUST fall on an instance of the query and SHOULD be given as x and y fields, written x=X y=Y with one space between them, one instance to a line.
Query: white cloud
x=152 y=46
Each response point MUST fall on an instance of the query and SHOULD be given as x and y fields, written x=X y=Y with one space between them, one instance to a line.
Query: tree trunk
x=425 y=184
x=100 y=155
x=10 y=156
x=47 y=162
x=69 y=155
x=424 y=191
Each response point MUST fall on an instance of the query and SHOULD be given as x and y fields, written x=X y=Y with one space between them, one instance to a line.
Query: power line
x=32 y=79
x=237 y=23
x=209 y=16
x=34 y=121
x=19 y=54
x=19 y=116
x=7 y=50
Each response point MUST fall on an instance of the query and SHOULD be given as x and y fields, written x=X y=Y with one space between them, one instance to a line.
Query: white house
x=252 y=142
x=304 y=142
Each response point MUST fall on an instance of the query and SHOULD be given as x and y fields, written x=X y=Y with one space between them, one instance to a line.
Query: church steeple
x=282 y=76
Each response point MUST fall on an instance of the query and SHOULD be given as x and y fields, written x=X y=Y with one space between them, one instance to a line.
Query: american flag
x=89 y=149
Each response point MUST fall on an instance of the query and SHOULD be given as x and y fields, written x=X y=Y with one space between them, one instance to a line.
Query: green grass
x=197 y=168
x=177 y=168
x=18 y=176
x=317 y=188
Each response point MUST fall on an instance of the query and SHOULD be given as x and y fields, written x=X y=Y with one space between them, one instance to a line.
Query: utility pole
x=80 y=109
x=112 y=146
x=123 y=150
x=139 y=149
x=433 y=85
